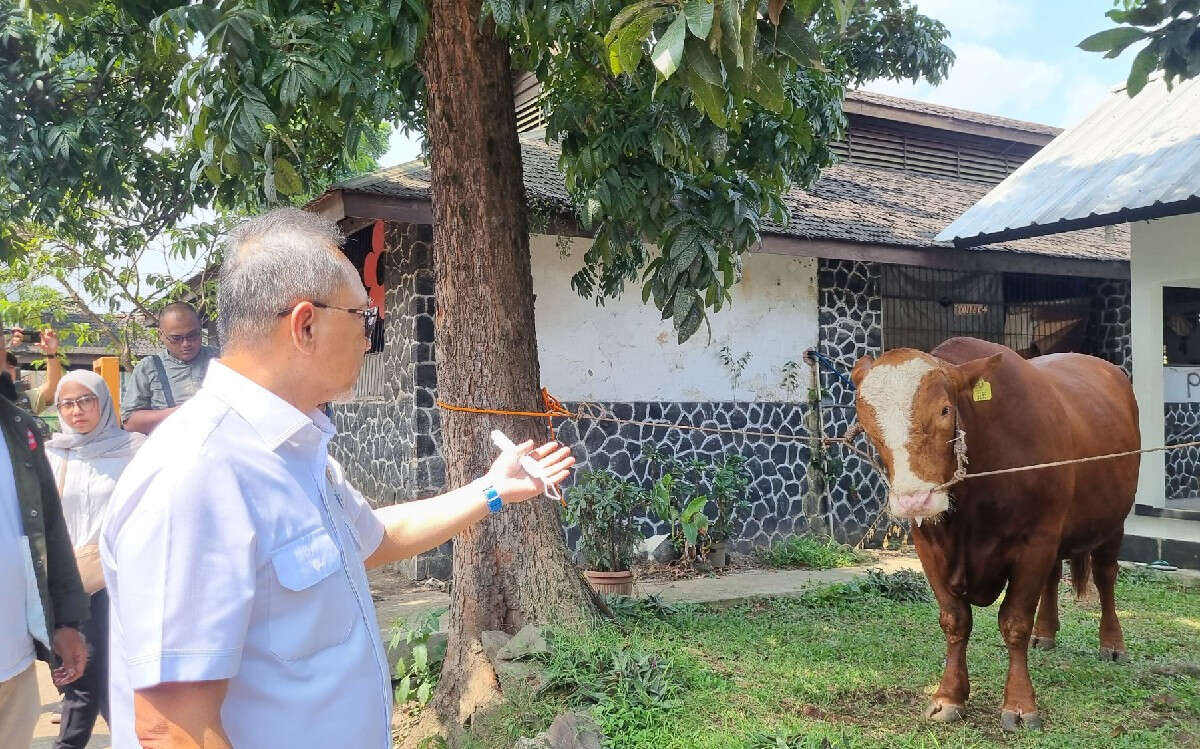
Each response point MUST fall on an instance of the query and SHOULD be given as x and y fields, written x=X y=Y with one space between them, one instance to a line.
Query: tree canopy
x=682 y=123
x=1170 y=30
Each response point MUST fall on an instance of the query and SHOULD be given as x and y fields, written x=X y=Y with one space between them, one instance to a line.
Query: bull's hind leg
x=1046 y=627
x=1104 y=568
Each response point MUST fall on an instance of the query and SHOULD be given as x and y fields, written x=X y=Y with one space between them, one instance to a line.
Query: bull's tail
x=1081 y=568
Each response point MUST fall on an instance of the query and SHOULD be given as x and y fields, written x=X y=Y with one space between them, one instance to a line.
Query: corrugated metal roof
x=1131 y=159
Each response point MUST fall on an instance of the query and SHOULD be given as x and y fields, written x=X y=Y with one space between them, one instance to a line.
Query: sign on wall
x=1181 y=384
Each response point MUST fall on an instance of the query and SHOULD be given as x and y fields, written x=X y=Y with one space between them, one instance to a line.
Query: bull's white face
x=905 y=408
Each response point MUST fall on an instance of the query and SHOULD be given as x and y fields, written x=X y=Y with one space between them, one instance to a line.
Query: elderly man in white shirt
x=234 y=549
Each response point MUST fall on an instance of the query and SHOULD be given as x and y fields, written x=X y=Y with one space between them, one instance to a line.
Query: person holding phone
x=46 y=342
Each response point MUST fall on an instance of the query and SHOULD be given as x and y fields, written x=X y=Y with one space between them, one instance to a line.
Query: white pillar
x=1165 y=252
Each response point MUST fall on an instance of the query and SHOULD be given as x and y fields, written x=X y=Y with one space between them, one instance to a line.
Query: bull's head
x=907 y=403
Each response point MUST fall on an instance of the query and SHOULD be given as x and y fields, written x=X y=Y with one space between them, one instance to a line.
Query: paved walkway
x=759 y=583
x=1178 y=530
x=736 y=586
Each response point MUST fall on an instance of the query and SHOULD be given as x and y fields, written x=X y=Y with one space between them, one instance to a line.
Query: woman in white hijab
x=87 y=457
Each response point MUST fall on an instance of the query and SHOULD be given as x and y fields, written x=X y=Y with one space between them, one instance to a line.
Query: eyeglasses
x=192 y=337
x=83 y=403
x=370 y=314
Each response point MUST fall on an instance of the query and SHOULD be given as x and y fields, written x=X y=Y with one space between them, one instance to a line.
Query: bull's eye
x=945 y=410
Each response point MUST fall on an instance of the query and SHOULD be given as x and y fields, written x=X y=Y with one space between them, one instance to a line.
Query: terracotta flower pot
x=610 y=583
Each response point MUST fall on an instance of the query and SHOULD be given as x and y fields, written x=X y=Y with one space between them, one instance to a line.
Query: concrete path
x=1169 y=528
x=396 y=605
x=759 y=583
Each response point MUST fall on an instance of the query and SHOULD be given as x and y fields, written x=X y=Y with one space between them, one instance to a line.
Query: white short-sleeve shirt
x=233 y=549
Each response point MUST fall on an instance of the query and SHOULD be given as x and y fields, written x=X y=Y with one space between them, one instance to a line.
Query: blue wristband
x=494 y=503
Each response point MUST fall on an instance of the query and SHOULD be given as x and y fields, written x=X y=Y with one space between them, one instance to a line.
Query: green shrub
x=424 y=664
x=811 y=553
x=603 y=505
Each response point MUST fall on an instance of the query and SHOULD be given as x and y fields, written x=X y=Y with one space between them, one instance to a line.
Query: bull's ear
x=975 y=370
x=861 y=367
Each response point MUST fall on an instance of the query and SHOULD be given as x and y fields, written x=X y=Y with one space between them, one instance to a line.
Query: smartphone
x=31 y=336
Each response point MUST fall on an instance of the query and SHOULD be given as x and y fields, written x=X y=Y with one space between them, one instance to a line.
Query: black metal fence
x=1031 y=314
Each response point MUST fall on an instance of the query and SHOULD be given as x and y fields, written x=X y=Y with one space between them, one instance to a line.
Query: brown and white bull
x=1012 y=530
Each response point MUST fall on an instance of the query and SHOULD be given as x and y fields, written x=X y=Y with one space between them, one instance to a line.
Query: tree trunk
x=513 y=568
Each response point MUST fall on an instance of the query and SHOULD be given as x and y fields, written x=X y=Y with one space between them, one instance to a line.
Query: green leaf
x=805 y=9
x=287 y=180
x=767 y=87
x=708 y=98
x=691 y=532
x=629 y=43
x=793 y=39
x=749 y=32
x=1111 y=39
x=685 y=239
x=700 y=58
x=669 y=50
x=684 y=301
x=420 y=654
x=628 y=13
x=405 y=689
x=699 y=15
x=841 y=11
x=731 y=30
x=424 y=692
x=1139 y=72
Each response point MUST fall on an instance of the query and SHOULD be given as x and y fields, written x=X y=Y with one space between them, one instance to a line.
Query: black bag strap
x=162 y=378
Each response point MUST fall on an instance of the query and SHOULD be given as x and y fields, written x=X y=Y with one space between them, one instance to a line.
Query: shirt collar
x=274 y=420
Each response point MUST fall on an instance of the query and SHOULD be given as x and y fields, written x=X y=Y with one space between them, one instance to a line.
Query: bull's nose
x=911 y=504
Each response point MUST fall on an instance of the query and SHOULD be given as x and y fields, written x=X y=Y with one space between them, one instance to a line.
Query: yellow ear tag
x=982 y=391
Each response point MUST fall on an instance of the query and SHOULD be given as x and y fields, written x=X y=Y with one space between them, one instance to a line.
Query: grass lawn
x=847 y=667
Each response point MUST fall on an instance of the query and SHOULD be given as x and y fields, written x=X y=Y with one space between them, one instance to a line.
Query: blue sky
x=1016 y=58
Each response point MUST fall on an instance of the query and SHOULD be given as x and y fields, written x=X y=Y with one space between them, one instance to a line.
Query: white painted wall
x=1165 y=252
x=623 y=351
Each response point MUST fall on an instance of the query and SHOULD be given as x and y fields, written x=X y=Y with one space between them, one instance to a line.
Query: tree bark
x=513 y=568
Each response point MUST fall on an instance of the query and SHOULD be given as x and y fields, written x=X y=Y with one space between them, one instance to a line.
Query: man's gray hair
x=273 y=261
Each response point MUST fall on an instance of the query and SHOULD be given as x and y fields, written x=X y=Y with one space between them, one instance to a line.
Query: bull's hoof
x=1042 y=642
x=1112 y=655
x=1011 y=720
x=943 y=712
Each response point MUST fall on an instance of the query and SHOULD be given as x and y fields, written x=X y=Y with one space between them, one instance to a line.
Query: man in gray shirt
x=160 y=383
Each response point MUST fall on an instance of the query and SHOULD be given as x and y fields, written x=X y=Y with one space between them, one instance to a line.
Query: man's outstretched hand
x=513 y=482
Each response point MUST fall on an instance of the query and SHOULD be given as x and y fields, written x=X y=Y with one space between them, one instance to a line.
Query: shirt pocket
x=310 y=607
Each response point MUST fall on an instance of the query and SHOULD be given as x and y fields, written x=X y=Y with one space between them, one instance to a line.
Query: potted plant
x=602 y=505
x=729 y=481
x=684 y=515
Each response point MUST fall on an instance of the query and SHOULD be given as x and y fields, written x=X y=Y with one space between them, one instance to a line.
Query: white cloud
x=984 y=80
x=979 y=19
x=1083 y=97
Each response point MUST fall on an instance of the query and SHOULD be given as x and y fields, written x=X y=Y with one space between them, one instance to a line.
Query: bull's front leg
x=955 y=686
x=1016 y=626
